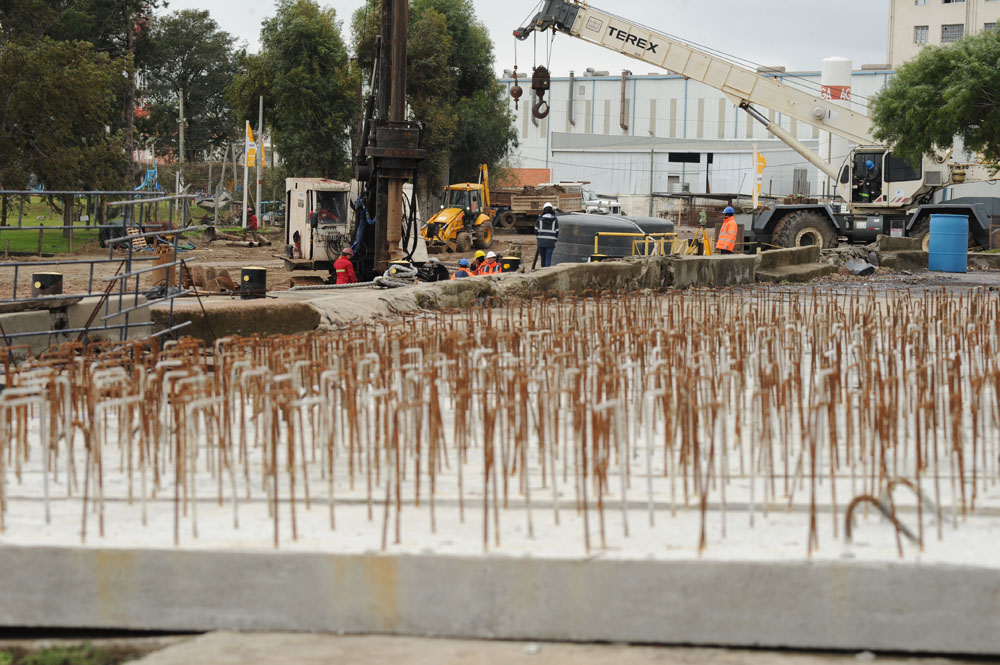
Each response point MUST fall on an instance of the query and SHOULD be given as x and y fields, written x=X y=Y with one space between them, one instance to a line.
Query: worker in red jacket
x=344 y=267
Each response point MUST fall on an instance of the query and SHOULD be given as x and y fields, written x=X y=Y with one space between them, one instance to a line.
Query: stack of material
x=208 y=280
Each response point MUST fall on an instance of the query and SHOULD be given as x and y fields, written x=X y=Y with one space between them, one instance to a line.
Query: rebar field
x=732 y=424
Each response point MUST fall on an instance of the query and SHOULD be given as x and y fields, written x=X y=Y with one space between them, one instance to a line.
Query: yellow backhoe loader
x=465 y=220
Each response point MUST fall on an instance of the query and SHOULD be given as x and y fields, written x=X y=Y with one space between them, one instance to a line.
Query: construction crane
x=899 y=196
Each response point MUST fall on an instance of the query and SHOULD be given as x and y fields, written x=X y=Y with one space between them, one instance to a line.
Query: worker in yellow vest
x=728 y=232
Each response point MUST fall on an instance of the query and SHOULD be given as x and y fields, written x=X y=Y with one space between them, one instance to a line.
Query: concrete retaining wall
x=238 y=317
x=26 y=322
x=780 y=258
x=815 y=605
x=78 y=314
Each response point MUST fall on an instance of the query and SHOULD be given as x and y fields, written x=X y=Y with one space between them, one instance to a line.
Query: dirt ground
x=220 y=255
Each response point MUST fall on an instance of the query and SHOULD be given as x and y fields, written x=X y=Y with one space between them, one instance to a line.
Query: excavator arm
x=743 y=86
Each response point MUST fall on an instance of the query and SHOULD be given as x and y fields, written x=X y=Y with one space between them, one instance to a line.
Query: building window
x=952 y=2
x=920 y=2
x=989 y=26
x=920 y=34
x=952 y=32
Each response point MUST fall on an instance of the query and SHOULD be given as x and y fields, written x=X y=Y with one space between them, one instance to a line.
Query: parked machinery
x=898 y=197
x=465 y=219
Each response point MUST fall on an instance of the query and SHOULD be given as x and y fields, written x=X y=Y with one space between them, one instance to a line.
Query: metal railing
x=114 y=319
x=643 y=244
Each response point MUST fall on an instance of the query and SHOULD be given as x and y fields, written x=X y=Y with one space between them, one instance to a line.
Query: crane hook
x=540 y=84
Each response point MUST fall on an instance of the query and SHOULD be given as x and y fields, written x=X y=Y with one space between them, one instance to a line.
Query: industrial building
x=606 y=130
x=914 y=24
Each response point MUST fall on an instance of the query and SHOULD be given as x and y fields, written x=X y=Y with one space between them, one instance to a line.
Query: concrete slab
x=795 y=273
x=891 y=244
x=238 y=317
x=904 y=260
x=777 y=258
x=983 y=261
x=26 y=322
x=79 y=313
x=816 y=605
x=269 y=648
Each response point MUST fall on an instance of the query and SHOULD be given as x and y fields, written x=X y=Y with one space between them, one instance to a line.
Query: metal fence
x=120 y=297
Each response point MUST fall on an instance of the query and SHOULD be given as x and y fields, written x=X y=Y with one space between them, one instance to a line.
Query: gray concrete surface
x=891 y=244
x=26 y=322
x=79 y=313
x=228 y=316
x=805 y=272
x=848 y=604
x=272 y=648
x=779 y=258
x=904 y=260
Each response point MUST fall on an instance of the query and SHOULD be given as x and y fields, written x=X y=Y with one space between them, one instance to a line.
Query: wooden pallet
x=137 y=243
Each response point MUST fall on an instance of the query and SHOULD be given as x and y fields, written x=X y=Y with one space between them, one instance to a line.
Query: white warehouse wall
x=682 y=115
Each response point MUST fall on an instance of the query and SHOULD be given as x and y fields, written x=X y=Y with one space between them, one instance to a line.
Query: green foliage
x=945 y=92
x=485 y=132
x=59 y=99
x=308 y=85
x=450 y=85
x=82 y=654
x=186 y=51
x=112 y=26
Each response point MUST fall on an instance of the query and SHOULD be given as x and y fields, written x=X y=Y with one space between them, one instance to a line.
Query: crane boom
x=743 y=86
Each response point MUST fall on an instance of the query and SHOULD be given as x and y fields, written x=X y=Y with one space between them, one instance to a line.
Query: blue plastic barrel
x=949 y=243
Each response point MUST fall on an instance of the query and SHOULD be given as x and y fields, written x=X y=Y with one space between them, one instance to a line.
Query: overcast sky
x=797 y=34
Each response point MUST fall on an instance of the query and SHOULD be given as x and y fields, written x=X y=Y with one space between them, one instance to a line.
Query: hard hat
x=481 y=254
x=464 y=263
x=347 y=251
x=729 y=211
x=546 y=206
x=870 y=164
x=491 y=255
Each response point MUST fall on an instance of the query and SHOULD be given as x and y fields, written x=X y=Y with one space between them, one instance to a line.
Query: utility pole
x=180 y=124
x=652 y=153
x=246 y=168
x=260 y=157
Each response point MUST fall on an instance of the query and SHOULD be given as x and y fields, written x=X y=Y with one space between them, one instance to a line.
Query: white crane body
x=892 y=194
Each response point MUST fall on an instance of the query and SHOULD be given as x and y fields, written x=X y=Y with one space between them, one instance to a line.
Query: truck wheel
x=463 y=242
x=506 y=220
x=484 y=236
x=804 y=229
x=922 y=230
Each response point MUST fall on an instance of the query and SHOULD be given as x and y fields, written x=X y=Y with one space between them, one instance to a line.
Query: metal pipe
x=792 y=142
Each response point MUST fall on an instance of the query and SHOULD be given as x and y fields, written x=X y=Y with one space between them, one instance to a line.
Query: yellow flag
x=250 y=158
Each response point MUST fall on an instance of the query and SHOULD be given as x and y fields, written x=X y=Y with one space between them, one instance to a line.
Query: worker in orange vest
x=728 y=232
x=478 y=261
x=344 y=267
x=463 y=269
x=492 y=266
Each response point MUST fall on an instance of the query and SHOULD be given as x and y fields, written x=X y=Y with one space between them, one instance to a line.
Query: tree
x=59 y=133
x=309 y=88
x=187 y=53
x=451 y=88
x=945 y=92
x=113 y=27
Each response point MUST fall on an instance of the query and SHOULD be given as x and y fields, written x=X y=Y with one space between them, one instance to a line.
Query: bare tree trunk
x=130 y=101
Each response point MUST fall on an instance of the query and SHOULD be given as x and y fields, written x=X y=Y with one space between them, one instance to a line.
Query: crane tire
x=803 y=229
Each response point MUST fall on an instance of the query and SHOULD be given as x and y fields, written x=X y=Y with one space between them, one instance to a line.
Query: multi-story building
x=914 y=24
